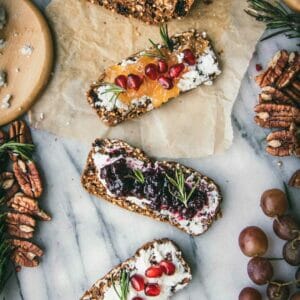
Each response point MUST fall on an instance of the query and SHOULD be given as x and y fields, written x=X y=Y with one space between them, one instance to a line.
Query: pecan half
x=272 y=94
x=3 y=137
x=25 y=254
x=274 y=70
x=26 y=205
x=20 y=231
x=17 y=218
x=9 y=184
x=295 y=180
x=290 y=73
x=270 y=115
x=28 y=178
x=20 y=132
x=283 y=143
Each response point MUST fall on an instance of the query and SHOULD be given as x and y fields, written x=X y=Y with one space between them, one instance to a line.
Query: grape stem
x=285 y=283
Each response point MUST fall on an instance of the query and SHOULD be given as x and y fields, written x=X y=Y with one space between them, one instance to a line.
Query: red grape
x=260 y=270
x=253 y=241
x=291 y=253
x=295 y=296
x=286 y=227
x=274 y=203
x=249 y=293
x=277 y=292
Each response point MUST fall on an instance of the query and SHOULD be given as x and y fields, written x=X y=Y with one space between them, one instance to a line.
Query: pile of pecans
x=21 y=186
x=279 y=103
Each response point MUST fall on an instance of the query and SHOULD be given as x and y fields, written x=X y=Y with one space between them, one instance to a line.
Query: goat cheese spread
x=5 y=103
x=26 y=50
x=197 y=225
x=142 y=262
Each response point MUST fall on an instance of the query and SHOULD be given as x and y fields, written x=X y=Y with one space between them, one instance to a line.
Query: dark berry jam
x=155 y=187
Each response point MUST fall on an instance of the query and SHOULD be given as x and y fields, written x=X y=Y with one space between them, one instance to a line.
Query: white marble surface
x=87 y=236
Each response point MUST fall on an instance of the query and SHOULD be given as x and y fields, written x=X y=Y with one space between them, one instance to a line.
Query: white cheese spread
x=26 y=50
x=5 y=103
x=142 y=262
x=197 y=225
x=2 y=44
x=203 y=72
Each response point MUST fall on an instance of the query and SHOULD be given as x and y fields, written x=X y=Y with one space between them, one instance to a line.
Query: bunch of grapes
x=254 y=243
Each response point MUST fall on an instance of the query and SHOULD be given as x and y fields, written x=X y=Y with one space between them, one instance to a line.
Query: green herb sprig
x=158 y=53
x=5 y=251
x=124 y=285
x=164 y=33
x=139 y=176
x=179 y=183
x=115 y=90
x=24 y=150
x=276 y=16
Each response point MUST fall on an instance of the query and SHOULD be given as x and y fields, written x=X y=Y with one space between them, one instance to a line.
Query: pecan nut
x=28 y=178
x=290 y=72
x=270 y=115
x=274 y=70
x=3 y=137
x=25 y=254
x=295 y=180
x=9 y=184
x=20 y=219
x=272 y=94
x=283 y=143
x=20 y=231
x=26 y=205
x=20 y=132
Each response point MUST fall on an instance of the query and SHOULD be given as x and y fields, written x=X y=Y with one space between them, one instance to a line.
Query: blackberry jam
x=154 y=185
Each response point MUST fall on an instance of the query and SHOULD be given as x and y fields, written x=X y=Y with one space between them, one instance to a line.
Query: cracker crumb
x=5 y=103
x=42 y=116
x=3 y=78
x=27 y=50
x=18 y=70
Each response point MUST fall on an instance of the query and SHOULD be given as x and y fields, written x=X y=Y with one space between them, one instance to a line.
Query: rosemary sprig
x=164 y=33
x=179 y=183
x=115 y=90
x=158 y=53
x=124 y=285
x=276 y=16
x=138 y=176
x=24 y=150
x=4 y=252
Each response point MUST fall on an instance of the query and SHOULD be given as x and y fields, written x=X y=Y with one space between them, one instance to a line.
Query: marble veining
x=87 y=236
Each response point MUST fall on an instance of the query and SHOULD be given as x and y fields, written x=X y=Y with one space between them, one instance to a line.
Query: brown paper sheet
x=89 y=38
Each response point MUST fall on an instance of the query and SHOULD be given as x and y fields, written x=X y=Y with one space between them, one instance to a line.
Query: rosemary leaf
x=159 y=52
x=115 y=90
x=24 y=150
x=179 y=183
x=276 y=16
x=164 y=33
x=124 y=285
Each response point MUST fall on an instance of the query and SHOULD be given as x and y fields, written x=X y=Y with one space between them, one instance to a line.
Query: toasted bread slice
x=152 y=253
x=127 y=177
x=199 y=66
x=148 y=11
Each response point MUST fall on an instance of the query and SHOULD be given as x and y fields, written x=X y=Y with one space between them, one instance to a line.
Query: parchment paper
x=89 y=38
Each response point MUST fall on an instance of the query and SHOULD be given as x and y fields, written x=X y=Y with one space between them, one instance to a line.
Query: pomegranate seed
x=189 y=57
x=258 y=67
x=152 y=289
x=137 y=298
x=154 y=272
x=166 y=82
x=167 y=267
x=175 y=70
x=162 y=66
x=137 y=282
x=151 y=71
x=121 y=81
x=134 y=81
